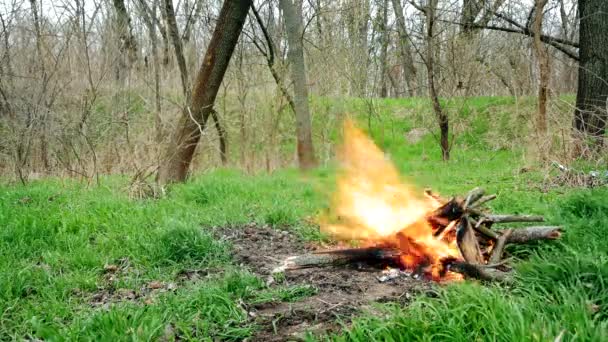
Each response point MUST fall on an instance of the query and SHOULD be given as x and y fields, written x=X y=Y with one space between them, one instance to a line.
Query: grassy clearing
x=56 y=236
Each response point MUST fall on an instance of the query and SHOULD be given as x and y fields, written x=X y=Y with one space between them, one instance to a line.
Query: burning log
x=528 y=234
x=371 y=255
x=441 y=217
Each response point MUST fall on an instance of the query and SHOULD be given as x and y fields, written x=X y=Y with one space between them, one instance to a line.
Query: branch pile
x=480 y=240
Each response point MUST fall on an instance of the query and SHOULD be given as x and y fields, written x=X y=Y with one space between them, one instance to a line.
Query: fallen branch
x=480 y=272
x=472 y=197
x=483 y=229
x=467 y=242
x=483 y=200
x=500 y=247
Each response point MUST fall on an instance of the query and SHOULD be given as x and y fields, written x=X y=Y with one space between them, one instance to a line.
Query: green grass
x=57 y=235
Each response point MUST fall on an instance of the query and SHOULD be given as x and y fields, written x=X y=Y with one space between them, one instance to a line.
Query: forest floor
x=84 y=262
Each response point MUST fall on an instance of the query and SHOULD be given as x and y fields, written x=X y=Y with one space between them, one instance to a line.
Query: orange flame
x=373 y=206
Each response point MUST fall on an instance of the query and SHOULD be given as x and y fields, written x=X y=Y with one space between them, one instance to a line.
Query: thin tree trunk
x=181 y=148
x=591 y=113
x=293 y=25
x=44 y=82
x=358 y=27
x=470 y=11
x=222 y=135
x=127 y=42
x=184 y=76
x=178 y=48
x=384 y=34
x=271 y=58
x=544 y=69
x=409 y=70
x=151 y=27
x=441 y=116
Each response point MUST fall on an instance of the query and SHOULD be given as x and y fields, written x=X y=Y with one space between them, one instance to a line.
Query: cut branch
x=481 y=272
x=483 y=200
x=473 y=196
x=528 y=234
x=483 y=229
x=500 y=247
x=510 y=218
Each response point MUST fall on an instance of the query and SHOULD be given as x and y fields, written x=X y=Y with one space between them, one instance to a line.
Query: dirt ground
x=341 y=292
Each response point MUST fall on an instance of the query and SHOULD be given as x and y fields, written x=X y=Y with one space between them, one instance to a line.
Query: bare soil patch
x=341 y=292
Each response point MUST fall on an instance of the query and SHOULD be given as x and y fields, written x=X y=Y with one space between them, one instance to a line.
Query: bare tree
x=147 y=14
x=176 y=38
x=271 y=58
x=188 y=132
x=384 y=41
x=544 y=69
x=358 y=17
x=430 y=12
x=293 y=24
x=45 y=81
x=127 y=42
x=409 y=70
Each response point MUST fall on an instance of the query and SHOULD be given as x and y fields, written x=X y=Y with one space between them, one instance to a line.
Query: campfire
x=403 y=232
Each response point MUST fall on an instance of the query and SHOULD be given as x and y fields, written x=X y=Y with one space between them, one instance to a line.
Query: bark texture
x=591 y=114
x=544 y=70
x=127 y=42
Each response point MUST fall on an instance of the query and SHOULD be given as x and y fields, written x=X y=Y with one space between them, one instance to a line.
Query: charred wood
x=467 y=242
x=372 y=255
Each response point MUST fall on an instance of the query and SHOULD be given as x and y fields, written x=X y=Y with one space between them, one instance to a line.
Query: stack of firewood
x=481 y=244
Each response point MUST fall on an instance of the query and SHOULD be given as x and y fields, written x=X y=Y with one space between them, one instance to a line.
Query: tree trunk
x=181 y=148
x=545 y=73
x=470 y=11
x=409 y=70
x=293 y=26
x=358 y=26
x=44 y=154
x=269 y=53
x=591 y=114
x=384 y=39
x=178 y=48
x=127 y=42
x=222 y=136
x=147 y=16
x=441 y=116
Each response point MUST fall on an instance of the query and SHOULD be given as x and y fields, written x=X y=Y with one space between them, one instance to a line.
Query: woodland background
x=98 y=87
